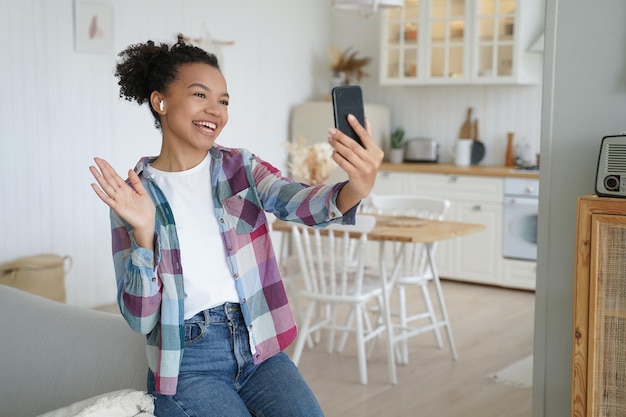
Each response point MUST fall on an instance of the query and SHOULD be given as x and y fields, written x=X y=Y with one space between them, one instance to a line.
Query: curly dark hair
x=146 y=67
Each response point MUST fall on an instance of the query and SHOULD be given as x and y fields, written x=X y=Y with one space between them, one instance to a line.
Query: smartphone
x=348 y=100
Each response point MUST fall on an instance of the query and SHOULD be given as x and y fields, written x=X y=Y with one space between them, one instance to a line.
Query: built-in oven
x=521 y=206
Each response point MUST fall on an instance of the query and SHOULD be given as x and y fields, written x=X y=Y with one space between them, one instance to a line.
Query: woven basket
x=42 y=274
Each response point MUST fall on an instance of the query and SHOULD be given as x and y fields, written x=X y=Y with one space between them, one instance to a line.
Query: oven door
x=520 y=228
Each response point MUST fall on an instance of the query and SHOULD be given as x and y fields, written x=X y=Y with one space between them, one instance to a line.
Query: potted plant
x=396 y=155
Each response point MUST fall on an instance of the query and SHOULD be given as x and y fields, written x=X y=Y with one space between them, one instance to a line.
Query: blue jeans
x=218 y=378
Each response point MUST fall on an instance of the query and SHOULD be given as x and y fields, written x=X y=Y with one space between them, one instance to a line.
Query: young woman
x=193 y=259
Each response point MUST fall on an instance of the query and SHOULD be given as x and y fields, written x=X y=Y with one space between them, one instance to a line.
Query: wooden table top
x=408 y=229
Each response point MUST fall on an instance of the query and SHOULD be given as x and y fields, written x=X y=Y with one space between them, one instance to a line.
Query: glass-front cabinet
x=448 y=40
x=461 y=42
x=495 y=40
x=402 y=51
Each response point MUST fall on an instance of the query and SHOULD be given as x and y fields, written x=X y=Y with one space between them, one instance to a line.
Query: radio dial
x=611 y=182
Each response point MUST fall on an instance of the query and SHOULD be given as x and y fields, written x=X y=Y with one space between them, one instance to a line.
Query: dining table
x=406 y=230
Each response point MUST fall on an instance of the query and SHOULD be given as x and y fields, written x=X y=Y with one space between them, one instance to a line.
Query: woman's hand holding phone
x=347 y=100
x=360 y=162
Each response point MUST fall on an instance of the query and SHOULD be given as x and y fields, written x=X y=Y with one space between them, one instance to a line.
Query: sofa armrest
x=55 y=354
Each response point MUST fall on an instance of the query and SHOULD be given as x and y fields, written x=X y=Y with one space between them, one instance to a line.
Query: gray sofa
x=54 y=354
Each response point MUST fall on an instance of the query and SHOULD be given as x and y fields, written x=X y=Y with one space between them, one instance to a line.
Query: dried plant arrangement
x=348 y=63
x=310 y=164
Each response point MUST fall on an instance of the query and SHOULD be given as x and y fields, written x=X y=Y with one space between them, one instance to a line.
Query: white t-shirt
x=206 y=276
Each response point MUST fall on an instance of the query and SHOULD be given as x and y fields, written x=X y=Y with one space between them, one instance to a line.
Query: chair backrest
x=425 y=207
x=333 y=265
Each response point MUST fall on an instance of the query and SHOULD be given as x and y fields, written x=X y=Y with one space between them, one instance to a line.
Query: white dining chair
x=332 y=280
x=415 y=270
x=293 y=279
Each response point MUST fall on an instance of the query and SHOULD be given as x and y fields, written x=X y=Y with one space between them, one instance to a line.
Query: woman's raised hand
x=131 y=202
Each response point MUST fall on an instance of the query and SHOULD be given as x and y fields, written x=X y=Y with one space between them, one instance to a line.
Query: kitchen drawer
x=519 y=274
x=458 y=187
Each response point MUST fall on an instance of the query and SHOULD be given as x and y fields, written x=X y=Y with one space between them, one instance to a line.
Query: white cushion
x=122 y=403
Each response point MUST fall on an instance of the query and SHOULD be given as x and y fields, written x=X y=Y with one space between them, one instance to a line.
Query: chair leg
x=403 y=354
x=444 y=313
x=316 y=337
x=380 y=322
x=348 y=324
x=431 y=313
x=360 y=343
x=442 y=302
x=331 y=332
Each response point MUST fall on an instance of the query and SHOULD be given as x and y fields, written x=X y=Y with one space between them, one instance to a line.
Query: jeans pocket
x=194 y=332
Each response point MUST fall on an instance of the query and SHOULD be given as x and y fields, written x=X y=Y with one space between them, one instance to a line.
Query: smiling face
x=194 y=112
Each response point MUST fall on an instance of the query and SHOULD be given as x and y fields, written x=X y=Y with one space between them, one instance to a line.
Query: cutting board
x=467 y=129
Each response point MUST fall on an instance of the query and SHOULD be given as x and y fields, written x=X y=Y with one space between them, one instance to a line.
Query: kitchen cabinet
x=461 y=42
x=388 y=182
x=598 y=334
x=474 y=199
x=479 y=257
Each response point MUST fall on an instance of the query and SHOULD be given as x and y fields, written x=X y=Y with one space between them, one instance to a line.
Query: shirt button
x=332 y=214
x=230 y=248
x=221 y=220
x=153 y=279
x=236 y=275
x=250 y=327
x=244 y=300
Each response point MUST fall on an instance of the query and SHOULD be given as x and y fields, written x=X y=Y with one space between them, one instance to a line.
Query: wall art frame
x=93 y=27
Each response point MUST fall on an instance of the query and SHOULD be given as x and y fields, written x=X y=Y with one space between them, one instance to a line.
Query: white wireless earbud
x=161 y=105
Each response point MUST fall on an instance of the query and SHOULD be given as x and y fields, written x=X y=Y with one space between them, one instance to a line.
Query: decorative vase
x=336 y=80
x=396 y=156
x=340 y=78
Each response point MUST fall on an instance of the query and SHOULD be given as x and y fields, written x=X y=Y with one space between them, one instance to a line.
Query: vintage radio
x=611 y=172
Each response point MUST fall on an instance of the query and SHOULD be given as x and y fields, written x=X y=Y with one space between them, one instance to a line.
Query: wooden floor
x=493 y=327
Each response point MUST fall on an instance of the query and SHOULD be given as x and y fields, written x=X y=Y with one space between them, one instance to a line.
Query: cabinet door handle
x=384 y=174
x=455 y=178
x=478 y=207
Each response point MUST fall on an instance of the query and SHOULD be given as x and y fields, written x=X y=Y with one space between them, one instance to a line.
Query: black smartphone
x=348 y=100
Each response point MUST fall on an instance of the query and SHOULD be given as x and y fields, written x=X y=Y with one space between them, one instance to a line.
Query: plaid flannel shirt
x=150 y=284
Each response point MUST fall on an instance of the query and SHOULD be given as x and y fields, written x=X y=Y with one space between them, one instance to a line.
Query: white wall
x=60 y=108
x=584 y=99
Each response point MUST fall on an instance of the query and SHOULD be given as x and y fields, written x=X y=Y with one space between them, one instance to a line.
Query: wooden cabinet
x=461 y=42
x=474 y=199
x=599 y=333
